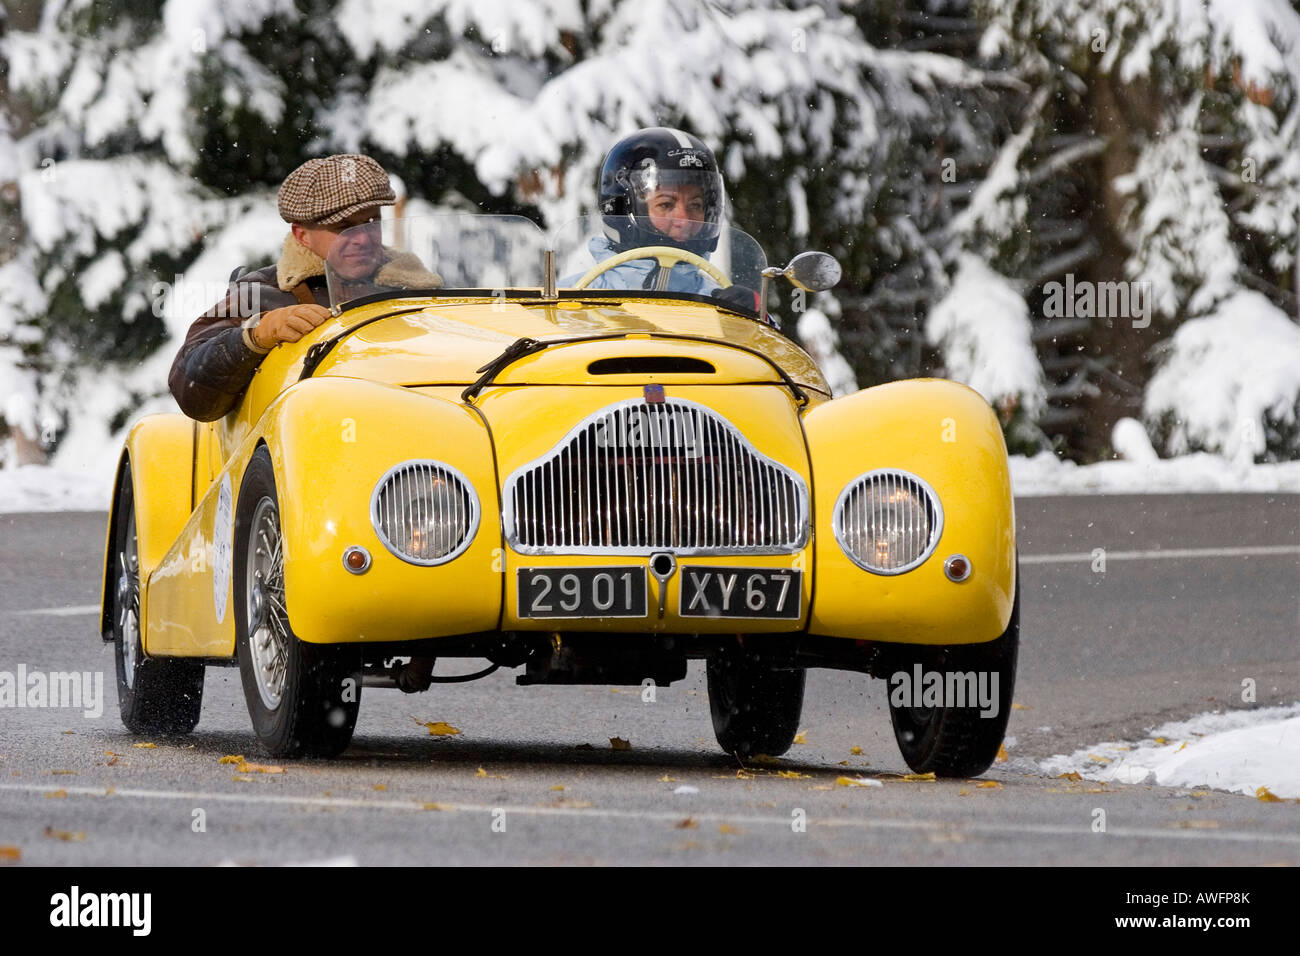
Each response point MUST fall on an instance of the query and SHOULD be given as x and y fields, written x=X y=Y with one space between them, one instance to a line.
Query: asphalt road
x=532 y=777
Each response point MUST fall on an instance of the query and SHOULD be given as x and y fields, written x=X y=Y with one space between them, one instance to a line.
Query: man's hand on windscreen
x=288 y=324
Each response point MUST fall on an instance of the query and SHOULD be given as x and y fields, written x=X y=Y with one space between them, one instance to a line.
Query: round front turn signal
x=356 y=560
x=957 y=567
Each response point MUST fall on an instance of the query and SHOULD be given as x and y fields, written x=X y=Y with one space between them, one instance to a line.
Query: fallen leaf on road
x=688 y=823
x=728 y=828
x=10 y=854
x=1182 y=748
x=1097 y=759
x=766 y=760
x=989 y=785
x=67 y=836
x=918 y=776
x=1015 y=706
x=242 y=779
x=1071 y=775
x=1160 y=740
x=259 y=768
x=439 y=728
x=481 y=772
x=1266 y=795
x=850 y=782
x=793 y=775
x=1002 y=754
x=799 y=738
x=667 y=779
x=56 y=794
x=856 y=751
x=557 y=787
x=432 y=806
x=618 y=743
x=232 y=758
x=145 y=746
x=381 y=787
x=1198 y=824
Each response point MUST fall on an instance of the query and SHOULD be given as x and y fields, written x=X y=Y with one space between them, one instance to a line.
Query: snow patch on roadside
x=1045 y=474
x=1239 y=752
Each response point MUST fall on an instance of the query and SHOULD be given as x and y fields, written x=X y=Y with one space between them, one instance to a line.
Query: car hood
x=410 y=342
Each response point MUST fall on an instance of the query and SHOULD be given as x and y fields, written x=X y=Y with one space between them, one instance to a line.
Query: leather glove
x=288 y=324
x=738 y=297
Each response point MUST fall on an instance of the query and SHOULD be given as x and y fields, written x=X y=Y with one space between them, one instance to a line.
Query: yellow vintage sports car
x=556 y=462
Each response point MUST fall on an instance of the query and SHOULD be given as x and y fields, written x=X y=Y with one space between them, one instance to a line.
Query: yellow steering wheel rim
x=666 y=256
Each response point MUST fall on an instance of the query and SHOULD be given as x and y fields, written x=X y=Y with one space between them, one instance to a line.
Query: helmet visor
x=679 y=204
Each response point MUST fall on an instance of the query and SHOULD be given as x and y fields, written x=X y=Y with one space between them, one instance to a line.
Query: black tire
x=755 y=707
x=306 y=699
x=155 y=695
x=960 y=741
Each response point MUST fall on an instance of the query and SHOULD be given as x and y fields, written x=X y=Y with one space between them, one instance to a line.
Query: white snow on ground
x=1239 y=751
x=1045 y=474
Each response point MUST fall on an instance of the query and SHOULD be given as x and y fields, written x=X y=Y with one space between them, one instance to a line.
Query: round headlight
x=425 y=512
x=888 y=521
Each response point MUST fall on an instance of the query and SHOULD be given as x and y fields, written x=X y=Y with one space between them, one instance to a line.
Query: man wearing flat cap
x=319 y=199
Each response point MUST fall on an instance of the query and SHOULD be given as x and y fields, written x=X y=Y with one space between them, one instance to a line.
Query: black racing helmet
x=662 y=175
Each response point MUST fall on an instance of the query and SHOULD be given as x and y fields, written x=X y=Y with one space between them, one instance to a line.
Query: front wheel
x=303 y=698
x=954 y=739
x=755 y=707
x=155 y=695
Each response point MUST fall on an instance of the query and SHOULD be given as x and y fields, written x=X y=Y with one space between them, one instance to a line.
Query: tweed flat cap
x=329 y=190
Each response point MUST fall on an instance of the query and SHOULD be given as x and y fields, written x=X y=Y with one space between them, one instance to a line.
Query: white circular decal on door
x=222 y=553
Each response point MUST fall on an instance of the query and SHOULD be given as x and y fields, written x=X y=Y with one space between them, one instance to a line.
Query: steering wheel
x=666 y=256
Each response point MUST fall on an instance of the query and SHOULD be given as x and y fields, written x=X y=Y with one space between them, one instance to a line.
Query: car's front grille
x=636 y=477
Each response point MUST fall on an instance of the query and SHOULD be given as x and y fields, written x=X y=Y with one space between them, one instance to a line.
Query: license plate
x=582 y=592
x=740 y=592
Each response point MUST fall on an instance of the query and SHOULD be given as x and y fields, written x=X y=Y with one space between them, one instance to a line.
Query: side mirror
x=813 y=271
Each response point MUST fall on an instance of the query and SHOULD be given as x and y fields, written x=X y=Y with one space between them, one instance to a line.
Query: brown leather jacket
x=215 y=365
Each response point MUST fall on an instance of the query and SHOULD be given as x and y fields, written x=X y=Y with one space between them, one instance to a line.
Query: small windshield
x=586 y=257
x=424 y=253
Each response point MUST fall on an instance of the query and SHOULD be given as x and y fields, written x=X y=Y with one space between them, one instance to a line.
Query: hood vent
x=650 y=365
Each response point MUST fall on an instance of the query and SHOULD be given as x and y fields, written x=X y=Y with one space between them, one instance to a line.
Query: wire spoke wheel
x=268 y=619
x=303 y=698
x=156 y=695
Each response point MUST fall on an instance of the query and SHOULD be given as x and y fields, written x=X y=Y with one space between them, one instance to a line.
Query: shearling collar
x=400 y=269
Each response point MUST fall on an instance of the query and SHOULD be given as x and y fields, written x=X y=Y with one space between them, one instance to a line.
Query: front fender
x=331 y=440
x=947 y=435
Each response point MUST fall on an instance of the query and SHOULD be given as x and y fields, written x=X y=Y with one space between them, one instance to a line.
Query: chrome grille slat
x=635 y=478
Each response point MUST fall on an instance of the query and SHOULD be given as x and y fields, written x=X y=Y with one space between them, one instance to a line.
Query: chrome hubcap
x=268 y=621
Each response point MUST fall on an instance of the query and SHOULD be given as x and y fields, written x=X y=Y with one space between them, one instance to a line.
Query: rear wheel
x=953 y=741
x=755 y=707
x=303 y=698
x=155 y=695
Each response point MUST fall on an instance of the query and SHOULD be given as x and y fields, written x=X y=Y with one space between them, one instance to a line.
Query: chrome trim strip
x=852 y=501
x=390 y=508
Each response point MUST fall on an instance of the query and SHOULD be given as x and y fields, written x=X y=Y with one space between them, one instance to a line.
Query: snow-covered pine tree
x=1164 y=154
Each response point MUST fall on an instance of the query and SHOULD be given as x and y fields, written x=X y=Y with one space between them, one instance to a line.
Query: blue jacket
x=638 y=274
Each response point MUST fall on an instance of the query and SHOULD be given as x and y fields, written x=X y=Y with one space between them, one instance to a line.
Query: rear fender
x=160 y=449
